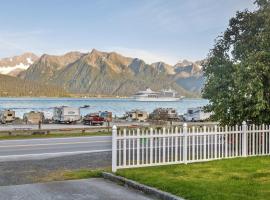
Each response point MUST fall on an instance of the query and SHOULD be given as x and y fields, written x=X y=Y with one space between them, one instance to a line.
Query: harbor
x=47 y=115
x=118 y=106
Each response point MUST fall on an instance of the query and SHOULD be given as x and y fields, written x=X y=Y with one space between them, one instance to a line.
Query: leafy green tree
x=238 y=69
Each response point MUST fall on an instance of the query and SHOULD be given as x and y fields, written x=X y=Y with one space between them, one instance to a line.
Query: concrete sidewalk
x=88 y=189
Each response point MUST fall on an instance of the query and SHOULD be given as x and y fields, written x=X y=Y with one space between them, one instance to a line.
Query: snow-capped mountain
x=14 y=65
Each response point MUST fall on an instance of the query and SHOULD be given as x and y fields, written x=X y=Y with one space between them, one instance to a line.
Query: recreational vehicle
x=196 y=114
x=164 y=114
x=136 y=115
x=66 y=114
x=106 y=115
x=33 y=117
x=7 y=116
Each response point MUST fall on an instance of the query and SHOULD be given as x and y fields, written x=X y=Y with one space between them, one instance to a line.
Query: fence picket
x=138 y=148
x=176 y=145
x=124 y=149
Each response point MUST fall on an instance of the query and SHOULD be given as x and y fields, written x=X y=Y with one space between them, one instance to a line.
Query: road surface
x=91 y=189
x=12 y=127
x=29 y=149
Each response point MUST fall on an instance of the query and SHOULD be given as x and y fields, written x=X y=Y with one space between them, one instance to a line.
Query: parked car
x=33 y=117
x=65 y=114
x=196 y=114
x=7 y=116
x=93 y=119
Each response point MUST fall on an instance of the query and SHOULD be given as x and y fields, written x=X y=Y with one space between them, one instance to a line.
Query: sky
x=153 y=30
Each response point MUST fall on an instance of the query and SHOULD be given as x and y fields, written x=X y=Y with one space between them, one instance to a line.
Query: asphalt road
x=91 y=189
x=31 y=149
x=12 y=127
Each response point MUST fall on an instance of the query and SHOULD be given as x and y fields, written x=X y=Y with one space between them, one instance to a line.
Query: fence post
x=244 y=139
x=114 y=148
x=185 y=143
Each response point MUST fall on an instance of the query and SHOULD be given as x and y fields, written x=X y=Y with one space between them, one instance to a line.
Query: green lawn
x=55 y=135
x=233 y=179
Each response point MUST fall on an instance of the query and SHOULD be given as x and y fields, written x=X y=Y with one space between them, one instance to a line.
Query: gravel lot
x=29 y=171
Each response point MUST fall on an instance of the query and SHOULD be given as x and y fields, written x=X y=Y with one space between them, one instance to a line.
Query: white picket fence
x=139 y=148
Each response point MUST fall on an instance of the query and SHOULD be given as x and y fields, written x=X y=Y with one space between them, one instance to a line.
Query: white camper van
x=196 y=114
x=7 y=116
x=66 y=114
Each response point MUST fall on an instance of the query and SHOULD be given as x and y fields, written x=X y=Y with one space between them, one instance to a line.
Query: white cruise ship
x=150 y=95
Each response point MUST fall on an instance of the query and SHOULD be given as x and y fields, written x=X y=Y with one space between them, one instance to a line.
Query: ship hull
x=160 y=99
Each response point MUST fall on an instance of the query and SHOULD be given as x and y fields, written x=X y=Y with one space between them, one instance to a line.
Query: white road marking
x=52 y=144
x=59 y=138
x=42 y=155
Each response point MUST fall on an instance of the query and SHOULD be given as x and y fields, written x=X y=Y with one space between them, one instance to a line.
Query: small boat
x=85 y=106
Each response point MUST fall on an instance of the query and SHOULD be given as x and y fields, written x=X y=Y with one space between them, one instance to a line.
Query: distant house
x=33 y=117
x=136 y=115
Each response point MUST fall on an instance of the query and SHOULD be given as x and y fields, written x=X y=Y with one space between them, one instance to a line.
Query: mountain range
x=106 y=74
x=14 y=65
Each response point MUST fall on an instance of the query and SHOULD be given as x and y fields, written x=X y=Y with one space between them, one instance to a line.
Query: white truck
x=196 y=114
x=65 y=114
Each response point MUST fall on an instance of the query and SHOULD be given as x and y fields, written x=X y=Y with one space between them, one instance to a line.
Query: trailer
x=33 y=117
x=169 y=114
x=65 y=114
x=136 y=115
x=106 y=115
x=7 y=116
x=196 y=115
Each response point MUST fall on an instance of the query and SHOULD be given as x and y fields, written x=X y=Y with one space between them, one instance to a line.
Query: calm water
x=117 y=106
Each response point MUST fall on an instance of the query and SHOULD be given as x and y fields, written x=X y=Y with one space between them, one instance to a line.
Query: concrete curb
x=137 y=186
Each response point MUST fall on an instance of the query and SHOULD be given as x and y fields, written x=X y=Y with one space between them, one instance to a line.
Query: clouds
x=153 y=30
x=146 y=55
x=12 y=42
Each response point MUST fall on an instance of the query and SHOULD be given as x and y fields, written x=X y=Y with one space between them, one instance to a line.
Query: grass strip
x=55 y=135
x=230 y=179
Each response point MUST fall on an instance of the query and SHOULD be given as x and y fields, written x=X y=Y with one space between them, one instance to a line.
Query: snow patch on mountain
x=8 y=69
x=30 y=61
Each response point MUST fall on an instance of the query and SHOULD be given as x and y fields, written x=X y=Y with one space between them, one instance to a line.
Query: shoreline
x=112 y=97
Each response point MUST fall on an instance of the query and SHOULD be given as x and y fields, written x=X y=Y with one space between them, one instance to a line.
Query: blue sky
x=167 y=30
